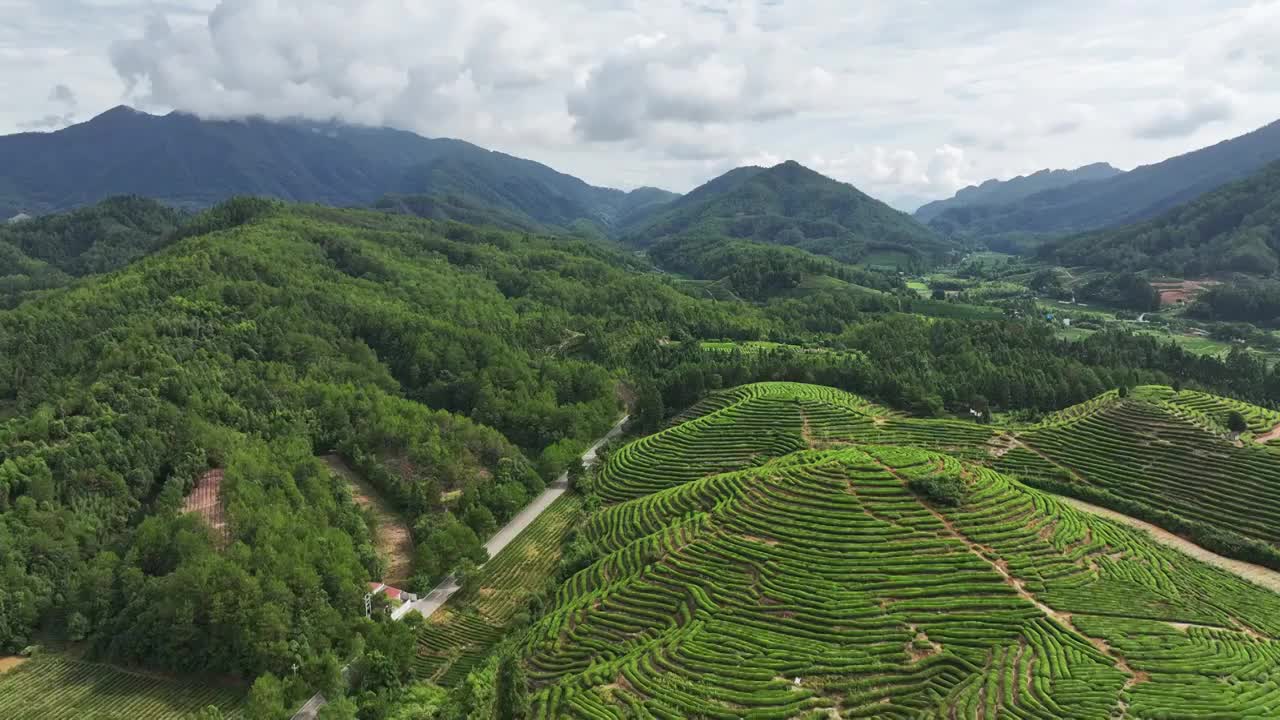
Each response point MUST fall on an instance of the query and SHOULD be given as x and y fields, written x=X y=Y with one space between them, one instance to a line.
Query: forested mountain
x=1233 y=229
x=49 y=251
x=187 y=161
x=1140 y=194
x=999 y=192
x=790 y=204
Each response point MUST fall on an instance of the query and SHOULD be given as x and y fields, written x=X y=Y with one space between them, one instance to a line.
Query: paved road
x=434 y=600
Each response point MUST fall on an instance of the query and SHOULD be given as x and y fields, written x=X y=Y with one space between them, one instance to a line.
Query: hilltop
x=789 y=204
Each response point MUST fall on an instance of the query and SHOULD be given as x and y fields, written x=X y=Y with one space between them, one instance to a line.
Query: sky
x=910 y=100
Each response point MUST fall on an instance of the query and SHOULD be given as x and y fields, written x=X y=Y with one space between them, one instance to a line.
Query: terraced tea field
x=1167 y=452
x=458 y=637
x=52 y=688
x=784 y=570
x=1149 y=453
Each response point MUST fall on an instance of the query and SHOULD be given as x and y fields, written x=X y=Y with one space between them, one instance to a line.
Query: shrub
x=940 y=490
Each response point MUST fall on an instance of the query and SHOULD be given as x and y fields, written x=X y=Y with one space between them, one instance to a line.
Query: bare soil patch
x=393 y=537
x=1174 y=292
x=206 y=501
x=1270 y=435
x=10 y=662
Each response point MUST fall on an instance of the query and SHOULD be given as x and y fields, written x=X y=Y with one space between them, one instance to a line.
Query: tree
x=343 y=708
x=577 y=475
x=649 y=408
x=266 y=699
x=939 y=294
x=1236 y=422
x=512 y=690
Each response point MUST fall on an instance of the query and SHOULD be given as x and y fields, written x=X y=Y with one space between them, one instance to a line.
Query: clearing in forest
x=1181 y=292
x=206 y=501
x=394 y=539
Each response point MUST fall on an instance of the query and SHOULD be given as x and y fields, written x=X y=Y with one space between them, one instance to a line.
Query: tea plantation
x=789 y=552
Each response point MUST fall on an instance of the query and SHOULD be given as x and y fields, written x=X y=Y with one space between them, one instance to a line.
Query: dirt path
x=1272 y=434
x=1256 y=574
x=394 y=539
x=1001 y=567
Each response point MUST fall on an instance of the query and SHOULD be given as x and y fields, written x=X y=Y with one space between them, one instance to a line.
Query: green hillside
x=792 y=205
x=49 y=251
x=1233 y=229
x=757 y=562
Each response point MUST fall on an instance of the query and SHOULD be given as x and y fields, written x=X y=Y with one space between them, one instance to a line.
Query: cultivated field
x=1168 y=456
x=51 y=688
x=205 y=499
x=459 y=635
x=757 y=565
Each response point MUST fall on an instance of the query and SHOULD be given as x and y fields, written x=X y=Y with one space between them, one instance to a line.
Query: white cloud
x=1186 y=115
x=904 y=99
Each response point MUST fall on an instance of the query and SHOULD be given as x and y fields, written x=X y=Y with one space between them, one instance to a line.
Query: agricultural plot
x=1163 y=457
x=205 y=500
x=818 y=583
x=460 y=635
x=52 y=688
x=1260 y=420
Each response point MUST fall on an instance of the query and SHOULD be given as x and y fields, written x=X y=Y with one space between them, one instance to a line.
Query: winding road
x=434 y=600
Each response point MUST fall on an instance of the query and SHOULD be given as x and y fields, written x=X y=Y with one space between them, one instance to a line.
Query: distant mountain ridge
x=191 y=162
x=789 y=204
x=997 y=192
x=1235 y=228
x=1135 y=196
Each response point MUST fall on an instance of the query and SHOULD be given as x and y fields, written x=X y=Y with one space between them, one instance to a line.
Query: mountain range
x=1131 y=197
x=1235 y=228
x=187 y=161
x=1000 y=192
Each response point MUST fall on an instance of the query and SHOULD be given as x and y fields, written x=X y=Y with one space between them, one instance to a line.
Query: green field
x=460 y=634
x=760 y=561
x=52 y=688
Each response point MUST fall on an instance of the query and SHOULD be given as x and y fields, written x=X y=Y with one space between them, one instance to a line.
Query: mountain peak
x=119 y=111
